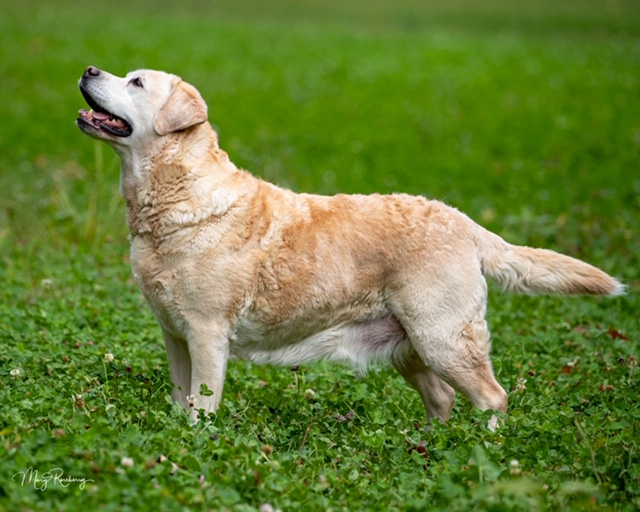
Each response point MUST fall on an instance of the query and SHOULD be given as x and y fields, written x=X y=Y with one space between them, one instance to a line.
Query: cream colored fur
x=233 y=266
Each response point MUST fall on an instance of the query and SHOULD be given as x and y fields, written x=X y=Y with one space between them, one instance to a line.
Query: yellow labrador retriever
x=233 y=266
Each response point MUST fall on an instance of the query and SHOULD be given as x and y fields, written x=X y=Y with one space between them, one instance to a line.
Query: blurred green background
x=523 y=114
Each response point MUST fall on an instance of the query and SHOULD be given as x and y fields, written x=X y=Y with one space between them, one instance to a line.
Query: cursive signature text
x=55 y=476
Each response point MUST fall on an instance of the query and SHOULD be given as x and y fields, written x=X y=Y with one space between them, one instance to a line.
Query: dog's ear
x=184 y=108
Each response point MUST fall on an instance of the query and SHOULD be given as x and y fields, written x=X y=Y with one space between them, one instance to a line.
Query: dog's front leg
x=179 y=366
x=209 y=350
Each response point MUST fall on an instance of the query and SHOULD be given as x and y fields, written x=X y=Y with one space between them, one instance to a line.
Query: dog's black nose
x=91 y=71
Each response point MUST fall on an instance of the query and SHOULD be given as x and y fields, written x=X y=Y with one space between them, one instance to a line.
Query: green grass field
x=525 y=115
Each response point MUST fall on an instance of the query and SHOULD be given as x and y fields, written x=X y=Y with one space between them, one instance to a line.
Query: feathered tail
x=531 y=271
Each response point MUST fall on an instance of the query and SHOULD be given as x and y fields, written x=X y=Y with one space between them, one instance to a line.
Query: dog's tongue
x=108 y=119
x=114 y=122
x=101 y=116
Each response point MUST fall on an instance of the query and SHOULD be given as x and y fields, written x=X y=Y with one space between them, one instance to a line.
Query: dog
x=233 y=266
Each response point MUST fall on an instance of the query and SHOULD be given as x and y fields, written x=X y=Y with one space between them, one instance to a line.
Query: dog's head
x=139 y=108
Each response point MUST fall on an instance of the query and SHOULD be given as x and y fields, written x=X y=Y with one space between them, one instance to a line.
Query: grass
x=524 y=115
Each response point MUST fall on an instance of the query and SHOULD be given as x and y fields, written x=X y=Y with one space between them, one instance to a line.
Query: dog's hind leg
x=447 y=329
x=438 y=396
x=463 y=362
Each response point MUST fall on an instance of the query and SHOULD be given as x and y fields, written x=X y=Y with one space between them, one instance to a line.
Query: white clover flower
x=309 y=394
x=108 y=357
x=520 y=385
x=126 y=462
x=15 y=373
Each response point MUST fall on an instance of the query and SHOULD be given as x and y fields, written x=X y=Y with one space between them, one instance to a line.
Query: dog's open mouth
x=101 y=119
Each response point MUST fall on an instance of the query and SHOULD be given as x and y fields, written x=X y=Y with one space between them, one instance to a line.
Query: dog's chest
x=183 y=287
x=159 y=285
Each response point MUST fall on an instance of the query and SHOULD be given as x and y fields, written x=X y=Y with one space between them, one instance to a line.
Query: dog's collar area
x=101 y=119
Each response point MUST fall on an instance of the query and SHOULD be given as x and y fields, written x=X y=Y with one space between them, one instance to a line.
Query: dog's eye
x=136 y=81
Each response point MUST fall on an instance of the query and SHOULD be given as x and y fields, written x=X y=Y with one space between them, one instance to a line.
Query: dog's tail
x=530 y=271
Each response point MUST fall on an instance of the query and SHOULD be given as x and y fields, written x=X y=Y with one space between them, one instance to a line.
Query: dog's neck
x=137 y=165
x=180 y=182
